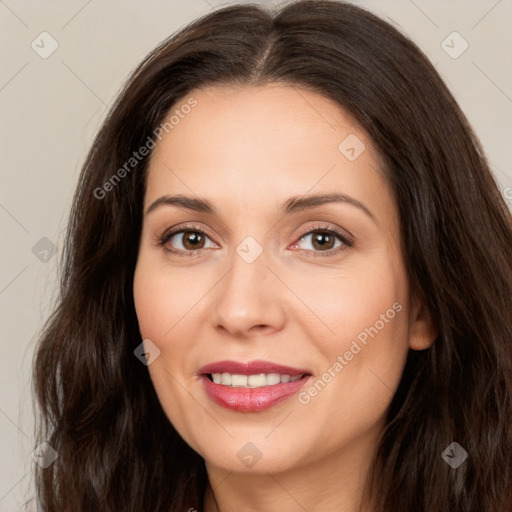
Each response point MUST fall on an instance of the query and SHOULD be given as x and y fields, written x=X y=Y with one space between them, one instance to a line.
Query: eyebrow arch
x=291 y=205
x=299 y=203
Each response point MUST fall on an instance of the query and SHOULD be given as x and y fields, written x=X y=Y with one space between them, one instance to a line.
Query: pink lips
x=251 y=399
x=249 y=368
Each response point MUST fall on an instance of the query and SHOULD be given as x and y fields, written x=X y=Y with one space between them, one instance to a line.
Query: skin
x=247 y=150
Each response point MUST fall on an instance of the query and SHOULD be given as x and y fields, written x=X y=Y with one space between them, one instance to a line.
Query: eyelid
x=178 y=228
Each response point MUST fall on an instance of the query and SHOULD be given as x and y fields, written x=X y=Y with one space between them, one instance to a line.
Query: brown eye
x=193 y=240
x=322 y=240
x=186 y=241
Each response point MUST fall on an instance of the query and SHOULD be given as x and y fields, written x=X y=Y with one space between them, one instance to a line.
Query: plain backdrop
x=52 y=105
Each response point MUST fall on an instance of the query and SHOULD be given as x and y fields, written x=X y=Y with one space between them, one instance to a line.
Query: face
x=318 y=286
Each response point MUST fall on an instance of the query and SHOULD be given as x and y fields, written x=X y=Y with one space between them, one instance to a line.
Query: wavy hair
x=117 y=450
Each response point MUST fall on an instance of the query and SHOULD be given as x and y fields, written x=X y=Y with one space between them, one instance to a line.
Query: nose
x=249 y=300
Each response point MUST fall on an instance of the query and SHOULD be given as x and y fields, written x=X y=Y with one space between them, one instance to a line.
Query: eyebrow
x=291 y=205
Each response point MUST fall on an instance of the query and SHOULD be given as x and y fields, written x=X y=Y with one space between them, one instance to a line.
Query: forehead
x=258 y=145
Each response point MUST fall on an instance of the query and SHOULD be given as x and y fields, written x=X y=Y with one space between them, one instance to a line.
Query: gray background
x=51 y=108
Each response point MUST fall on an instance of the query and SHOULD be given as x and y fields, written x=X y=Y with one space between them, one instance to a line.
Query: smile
x=251 y=381
x=253 y=386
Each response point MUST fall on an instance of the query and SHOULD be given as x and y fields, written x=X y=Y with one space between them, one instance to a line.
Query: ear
x=423 y=328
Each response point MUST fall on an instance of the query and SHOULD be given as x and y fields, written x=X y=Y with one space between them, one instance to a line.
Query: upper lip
x=250 y=368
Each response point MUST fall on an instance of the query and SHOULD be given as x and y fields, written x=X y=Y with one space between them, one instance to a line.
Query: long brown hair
x=117 y=450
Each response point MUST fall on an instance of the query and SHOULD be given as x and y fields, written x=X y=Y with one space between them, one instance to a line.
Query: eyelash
x=346 y=239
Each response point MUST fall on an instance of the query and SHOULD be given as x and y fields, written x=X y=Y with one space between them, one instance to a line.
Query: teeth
x=252 y=381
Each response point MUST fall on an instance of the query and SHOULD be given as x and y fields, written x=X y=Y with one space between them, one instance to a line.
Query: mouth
x=250 y=368
x=253 y=386
x=258 y=380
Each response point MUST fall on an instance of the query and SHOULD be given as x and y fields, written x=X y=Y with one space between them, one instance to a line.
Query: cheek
x=353 y=302
x=163 y=302
x=162 y=299
x=378 y=329
x=364 y=350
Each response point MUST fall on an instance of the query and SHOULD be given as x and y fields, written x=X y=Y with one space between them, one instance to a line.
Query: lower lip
x=251 y=399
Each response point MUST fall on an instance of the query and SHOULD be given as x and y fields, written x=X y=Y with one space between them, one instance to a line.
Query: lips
x=247 y=399
x=251 y=368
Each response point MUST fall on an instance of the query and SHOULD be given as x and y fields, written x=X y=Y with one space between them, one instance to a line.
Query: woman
x=287 y=283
